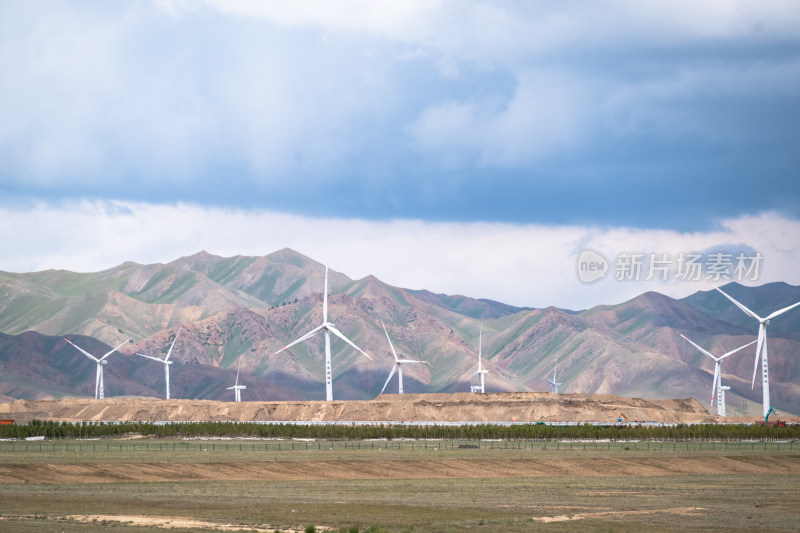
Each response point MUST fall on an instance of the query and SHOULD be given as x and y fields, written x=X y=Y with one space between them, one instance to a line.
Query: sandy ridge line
x=65 y=473
x=508 y=406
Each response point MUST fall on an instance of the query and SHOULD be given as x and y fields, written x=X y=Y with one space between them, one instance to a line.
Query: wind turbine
x=398 y=364
x=762 y=342
x=237 y=389
x=98 y=380
x=327 y=328
x=553 y=381
x=481 y=371
x=716 y=386
x=166 y=362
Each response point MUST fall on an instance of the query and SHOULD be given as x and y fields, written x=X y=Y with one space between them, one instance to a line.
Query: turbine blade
x=348 y=341
x=301 y=339
x=173 y=344
x=698 y=347
x=115 y=349
x=390 y=341
x=739 y=305
x=237 y=376
x=387 y=379
x=150 y=357
x=325 y=298
x=781 y=311
x=84 y=352
x=762 y=333
x=409 y=361
x=736 y=350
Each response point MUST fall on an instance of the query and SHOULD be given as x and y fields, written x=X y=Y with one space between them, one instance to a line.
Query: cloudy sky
x=459 y=146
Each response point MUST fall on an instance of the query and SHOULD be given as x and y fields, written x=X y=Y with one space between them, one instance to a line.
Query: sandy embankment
x=496 y=407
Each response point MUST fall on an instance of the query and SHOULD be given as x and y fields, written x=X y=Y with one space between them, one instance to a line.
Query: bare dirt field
x=543 y=502
x=495 y=407
x=231 y=485
x=153 y=485
x=580 y=467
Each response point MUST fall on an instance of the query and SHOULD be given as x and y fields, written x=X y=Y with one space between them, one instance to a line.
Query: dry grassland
x=439 y=490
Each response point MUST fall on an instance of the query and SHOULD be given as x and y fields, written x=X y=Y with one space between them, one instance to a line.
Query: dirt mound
x=498 y=407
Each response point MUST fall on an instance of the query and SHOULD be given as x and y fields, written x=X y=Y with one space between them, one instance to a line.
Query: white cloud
x=525 y=265
x=392 y=19
x=96 y=93
x=484 y=29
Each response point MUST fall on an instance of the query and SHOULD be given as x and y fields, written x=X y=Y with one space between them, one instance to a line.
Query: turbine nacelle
x=761 y=348
x=165 y=361
x=327 y=328
x=716 y=385
x=409 y=361
x=98 y=382
x=398 y=365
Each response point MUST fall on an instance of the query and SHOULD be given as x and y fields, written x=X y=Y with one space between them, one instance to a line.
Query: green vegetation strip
x=82 y=430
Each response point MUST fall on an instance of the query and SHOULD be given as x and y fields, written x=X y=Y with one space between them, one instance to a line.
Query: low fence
x=204 y=446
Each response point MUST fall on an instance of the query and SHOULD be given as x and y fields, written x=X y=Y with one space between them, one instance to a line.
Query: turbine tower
x=716 y=386
x=761 y=347
x=327 y=328
x=98 y=380
x=553 y=381
x=166 y=362
x=237 y=389
x=481 y=371
x=398 y=364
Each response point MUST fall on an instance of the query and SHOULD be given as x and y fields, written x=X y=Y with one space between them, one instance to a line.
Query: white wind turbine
x=327 y=328
x=553 y=381
x=398 y=364
x=237 y=389
x=481 y=371
x=98 y=380
x=762 y=343
x=717 y=387
x=166 y=362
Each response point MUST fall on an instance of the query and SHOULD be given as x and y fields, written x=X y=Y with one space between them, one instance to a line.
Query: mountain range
x=240 y=310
